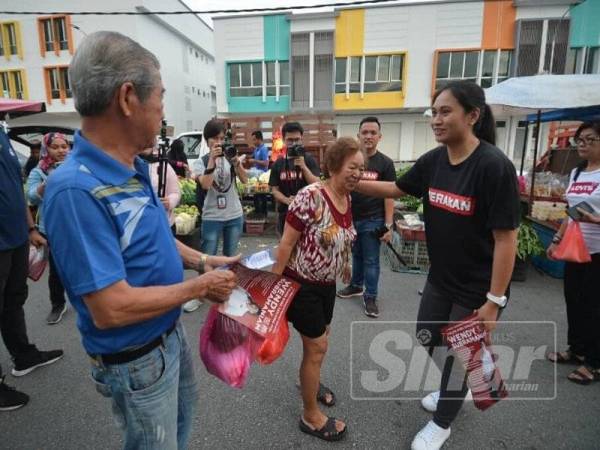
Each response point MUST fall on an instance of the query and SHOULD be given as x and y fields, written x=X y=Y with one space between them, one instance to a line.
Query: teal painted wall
x=276 y=48
x=276 y=38
x=585 y=24
x=256 y=105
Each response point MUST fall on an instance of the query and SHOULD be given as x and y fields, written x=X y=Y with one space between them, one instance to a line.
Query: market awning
x=583 y=114
x=527 y=95
x=20 y=107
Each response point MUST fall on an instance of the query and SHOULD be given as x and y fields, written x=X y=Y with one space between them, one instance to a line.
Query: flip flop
x=327 y=432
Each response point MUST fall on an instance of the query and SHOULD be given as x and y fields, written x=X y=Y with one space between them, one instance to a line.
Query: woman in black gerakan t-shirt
x=471 y=207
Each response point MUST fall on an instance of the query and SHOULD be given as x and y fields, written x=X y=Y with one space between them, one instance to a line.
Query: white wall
x=459 y=25
x=238 y=38
x=419 y=30
x=182 y=87
x=398 y=132
x=298 y=25
x=542 y=12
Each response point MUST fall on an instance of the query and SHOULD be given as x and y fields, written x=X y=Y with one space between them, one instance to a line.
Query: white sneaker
x=192 y=305
x=429 y=402
x=431 y=437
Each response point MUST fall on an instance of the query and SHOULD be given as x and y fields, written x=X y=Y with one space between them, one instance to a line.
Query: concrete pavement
x=65 y=412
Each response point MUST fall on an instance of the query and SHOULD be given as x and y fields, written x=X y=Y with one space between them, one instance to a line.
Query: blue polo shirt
x=106 y=224
x=261 y=153
x=13 y=221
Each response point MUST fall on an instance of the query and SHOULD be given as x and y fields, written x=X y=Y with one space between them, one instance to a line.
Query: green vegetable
x=188 y=192
x=411 y=203
x=528 y=242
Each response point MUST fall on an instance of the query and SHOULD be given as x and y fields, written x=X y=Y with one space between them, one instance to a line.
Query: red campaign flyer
x=467 y=339
x=261 y=300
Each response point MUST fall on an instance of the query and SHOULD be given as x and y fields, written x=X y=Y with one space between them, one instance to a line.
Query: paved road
x=65 y=412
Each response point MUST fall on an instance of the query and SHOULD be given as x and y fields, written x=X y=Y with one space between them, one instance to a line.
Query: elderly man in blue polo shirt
x=114 y=250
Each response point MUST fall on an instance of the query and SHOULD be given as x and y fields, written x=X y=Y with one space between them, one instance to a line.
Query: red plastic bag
x=274 y=345
x=227 y=348
x=38 y=259
x=572 y=246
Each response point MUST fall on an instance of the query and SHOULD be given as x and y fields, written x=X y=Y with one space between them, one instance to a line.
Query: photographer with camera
x=373 y=220
x=291 y=172
x=222 y=214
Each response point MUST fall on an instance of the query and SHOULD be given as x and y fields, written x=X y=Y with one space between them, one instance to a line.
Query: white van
x=194 y=146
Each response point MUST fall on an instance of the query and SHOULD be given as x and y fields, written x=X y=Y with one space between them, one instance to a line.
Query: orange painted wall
x=498 y=24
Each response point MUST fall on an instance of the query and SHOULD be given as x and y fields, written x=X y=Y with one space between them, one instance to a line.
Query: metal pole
x=524 y=148
x=163 y=148
x=535 y=152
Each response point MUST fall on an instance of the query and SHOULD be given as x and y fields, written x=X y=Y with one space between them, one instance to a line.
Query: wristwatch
x=201 y=268
x=209 y=171
x=500 y=301
x=389 y=226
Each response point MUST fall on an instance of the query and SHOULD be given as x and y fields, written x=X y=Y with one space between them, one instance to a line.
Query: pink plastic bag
x=228 y=348
x=38 y=259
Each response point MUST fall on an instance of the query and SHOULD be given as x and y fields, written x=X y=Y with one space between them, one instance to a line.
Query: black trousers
x=281 y=222
x=436 y=307
x=582 y=296
x=260 y=204
x=57 y=290
x=13 y=293
x=55 y=286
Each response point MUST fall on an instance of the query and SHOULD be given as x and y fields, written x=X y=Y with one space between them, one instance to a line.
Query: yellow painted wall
x=350 y=33
x=371 y=100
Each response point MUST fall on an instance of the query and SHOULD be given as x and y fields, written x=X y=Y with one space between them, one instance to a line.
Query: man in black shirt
x=291 y=173
x=369 y=215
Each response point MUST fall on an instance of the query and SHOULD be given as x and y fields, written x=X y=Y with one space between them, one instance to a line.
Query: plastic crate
x=255 y=227
x=414 y=252
x=412 y=235
x=555 y=269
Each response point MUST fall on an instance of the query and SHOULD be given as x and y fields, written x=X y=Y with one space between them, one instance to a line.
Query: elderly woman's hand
x=213 y=262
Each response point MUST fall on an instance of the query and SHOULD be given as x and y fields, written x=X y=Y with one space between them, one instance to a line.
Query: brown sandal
x=327 y=432
x=580 y=377
x=566 y=357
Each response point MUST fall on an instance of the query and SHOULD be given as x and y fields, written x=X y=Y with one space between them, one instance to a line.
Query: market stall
x=547 y=98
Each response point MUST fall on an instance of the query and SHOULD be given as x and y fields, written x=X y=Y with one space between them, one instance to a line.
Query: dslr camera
x=296 y=151
x=229 y=150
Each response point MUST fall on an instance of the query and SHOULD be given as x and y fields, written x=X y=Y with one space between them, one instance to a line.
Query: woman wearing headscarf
x=55 y=149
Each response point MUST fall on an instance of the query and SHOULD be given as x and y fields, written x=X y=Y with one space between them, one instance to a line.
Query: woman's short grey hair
x=102 y=63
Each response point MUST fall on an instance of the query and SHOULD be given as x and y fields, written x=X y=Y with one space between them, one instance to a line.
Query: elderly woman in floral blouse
x=315 y=250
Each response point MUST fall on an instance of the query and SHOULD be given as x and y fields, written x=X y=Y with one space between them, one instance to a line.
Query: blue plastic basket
x=555 y=269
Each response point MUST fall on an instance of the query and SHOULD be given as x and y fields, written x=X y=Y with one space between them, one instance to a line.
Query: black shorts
x=311 y=310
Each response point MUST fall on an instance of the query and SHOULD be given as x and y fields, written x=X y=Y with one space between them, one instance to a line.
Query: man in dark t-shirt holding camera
x=291 y=172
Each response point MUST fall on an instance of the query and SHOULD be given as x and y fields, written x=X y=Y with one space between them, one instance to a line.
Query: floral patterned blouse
x=324 y=249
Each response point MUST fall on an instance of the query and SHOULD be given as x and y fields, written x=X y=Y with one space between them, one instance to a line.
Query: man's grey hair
x=102 y=63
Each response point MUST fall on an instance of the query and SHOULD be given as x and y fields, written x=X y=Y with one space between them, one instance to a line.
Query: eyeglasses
x=587 y=141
